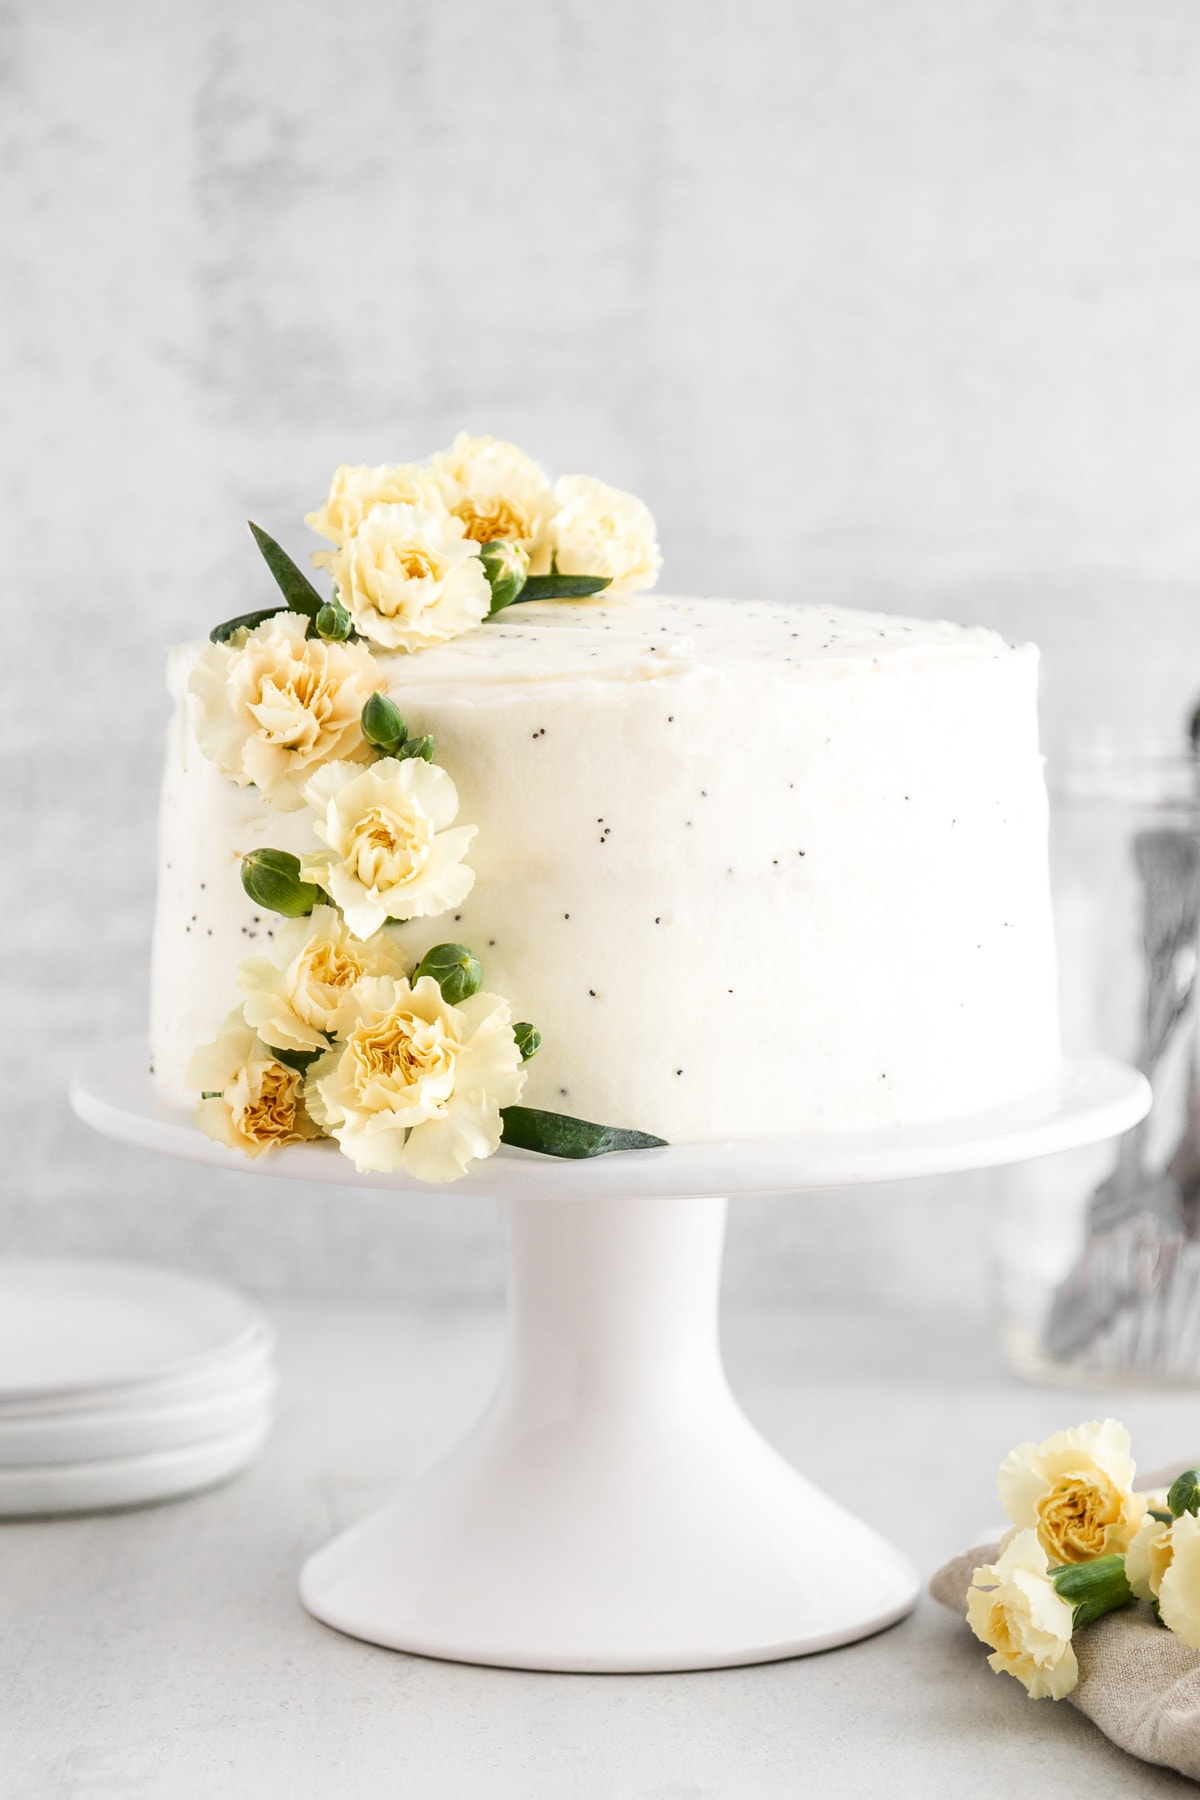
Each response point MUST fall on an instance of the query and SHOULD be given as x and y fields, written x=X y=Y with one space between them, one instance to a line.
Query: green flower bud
x=382 y=724
x=1183 y=1495
x=506 y=567
x=272 y=879
x=529 y=1039
x=418 y=746
x=333 y=623
x=454 y=968
x=1093 y=1588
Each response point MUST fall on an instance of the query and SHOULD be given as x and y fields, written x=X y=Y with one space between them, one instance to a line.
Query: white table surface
x=164 y=1653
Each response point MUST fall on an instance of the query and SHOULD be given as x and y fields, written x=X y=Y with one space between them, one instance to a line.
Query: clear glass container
x=1097 y=1251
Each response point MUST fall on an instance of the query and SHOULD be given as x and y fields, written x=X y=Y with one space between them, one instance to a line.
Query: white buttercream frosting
x=752 y=868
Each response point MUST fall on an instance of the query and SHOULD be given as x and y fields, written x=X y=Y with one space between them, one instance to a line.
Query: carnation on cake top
x=407 y=1065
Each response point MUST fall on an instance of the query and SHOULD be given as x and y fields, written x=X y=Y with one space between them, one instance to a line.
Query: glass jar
x=1097 y=1251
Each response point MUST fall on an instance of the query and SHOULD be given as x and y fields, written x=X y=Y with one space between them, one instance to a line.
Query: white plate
x=216 y=1377
x=63 y=1437
x=75 y=1327
x=128 y=1480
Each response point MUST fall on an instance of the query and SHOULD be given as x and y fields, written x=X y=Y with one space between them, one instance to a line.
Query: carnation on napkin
x=1138 y=1681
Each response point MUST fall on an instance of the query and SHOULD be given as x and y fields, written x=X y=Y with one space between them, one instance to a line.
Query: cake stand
x=614 y=1510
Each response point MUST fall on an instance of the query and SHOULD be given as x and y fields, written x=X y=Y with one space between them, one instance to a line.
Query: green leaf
x=560 y=587
x=220 y=634
x=293 y=583
x=299 y=1060
x=557 y=1134
x=528 y=1039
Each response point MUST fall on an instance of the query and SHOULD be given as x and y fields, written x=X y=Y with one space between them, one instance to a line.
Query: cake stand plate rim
x=1094 y=1097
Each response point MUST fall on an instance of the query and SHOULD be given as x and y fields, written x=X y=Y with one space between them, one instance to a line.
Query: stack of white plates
x=121 y=1384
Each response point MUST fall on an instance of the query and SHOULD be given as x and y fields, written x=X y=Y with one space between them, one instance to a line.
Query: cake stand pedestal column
x=614 y=1509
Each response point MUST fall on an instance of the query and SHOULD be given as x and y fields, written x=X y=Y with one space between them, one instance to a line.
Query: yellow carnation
x=1013 y=1607
x=356 y=488
x=410 y=577
x=1075 y=1490
x=499 y=493
x=253 y=1102
x=392 y=853
x=294 y=996
x=1149 y=1554
x=417 y=1083
x=598 y=530
x=275 y=705
x=1179 y=1580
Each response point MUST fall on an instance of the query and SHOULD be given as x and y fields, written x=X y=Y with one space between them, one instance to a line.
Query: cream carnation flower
x=253 y=1102
x=392 y=854
x=295 y=996
x=1013 y=1607
x=1149 y=1554
x=598 y=530
x=411 y=577
x=356 y=488
x=273 y=707
x=417 y=1083
x=1075 y=1490
x=1179 y=1580
x=499 y=493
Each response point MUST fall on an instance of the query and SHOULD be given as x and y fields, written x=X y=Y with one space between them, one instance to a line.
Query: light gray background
x=894 y=304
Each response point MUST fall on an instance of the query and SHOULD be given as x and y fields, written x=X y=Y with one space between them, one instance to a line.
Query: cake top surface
x=656 y=634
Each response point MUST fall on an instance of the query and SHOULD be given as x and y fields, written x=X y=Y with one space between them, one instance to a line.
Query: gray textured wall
x=876 y=301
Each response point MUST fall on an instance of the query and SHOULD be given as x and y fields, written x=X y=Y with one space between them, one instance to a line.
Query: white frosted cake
x=752 y=869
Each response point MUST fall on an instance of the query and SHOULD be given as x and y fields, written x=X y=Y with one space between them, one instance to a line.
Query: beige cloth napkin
x=1137 y=1682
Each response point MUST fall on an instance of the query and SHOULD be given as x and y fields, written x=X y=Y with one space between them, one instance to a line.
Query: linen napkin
x=1137 y=1681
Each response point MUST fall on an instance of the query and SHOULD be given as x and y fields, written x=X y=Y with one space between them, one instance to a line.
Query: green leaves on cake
x=326 y=618
x=507 y=569
x=557 y=1134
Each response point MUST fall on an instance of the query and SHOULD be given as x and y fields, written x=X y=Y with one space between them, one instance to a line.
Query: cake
x=752 y=869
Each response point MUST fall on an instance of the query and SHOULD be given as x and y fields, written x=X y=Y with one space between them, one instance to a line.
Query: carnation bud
x=272 y=879
x=454 y=968
x=333 y=623
x=382 y=724
x=529 y=1039
x=418 y=746
x=1092 y=1588
x=506 y=567
x=1183 y=1495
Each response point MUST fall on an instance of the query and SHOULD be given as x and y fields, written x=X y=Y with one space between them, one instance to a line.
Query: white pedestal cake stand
x=614 y=1510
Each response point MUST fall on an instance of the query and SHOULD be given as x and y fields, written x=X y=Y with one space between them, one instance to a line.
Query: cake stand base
x=614 y=1510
